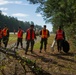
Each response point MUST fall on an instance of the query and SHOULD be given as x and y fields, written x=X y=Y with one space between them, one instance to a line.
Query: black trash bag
x=66 y=46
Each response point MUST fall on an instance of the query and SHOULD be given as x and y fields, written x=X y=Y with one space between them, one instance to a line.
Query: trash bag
x=66 y=46
x=53 y=44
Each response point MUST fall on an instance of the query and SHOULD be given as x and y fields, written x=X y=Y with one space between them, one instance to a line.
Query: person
x=0 y=36
x=44 y=33
x=19 y=37
x=30 y=36
x=5 y=34
x=60 y=36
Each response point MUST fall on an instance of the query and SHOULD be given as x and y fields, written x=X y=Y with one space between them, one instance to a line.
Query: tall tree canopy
x=59 y=12
x=13 y=24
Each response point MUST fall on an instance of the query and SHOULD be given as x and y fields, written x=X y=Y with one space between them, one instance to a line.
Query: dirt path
x=53 y=62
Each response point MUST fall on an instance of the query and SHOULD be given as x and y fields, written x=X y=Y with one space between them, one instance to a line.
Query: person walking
x=30 y=36
x=0 y=36
x=5 y=34
x=60 y=36
x=44 y=33
x=19 y=37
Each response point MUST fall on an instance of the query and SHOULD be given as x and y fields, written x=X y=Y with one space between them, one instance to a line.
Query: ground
x=53 y=62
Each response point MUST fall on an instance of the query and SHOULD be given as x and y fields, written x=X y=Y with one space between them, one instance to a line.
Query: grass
x=37 y=45
x=13 y=38
x=60 y=64
x=50 y=40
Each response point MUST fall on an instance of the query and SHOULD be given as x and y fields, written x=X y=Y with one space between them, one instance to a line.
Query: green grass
x=50 y=40
x=13 y=38
x=37 y=45
x=61 y=63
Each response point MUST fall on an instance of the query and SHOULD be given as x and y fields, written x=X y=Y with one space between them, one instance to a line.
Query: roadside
x=53 y=62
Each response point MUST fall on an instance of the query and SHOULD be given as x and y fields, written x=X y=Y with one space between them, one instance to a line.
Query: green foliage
x=13 y=24
x=36 y=1
x=60 y=12
x=71 y=32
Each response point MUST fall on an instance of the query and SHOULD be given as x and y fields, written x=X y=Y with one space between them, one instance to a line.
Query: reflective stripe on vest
x=28 y=35
x=4 y=32
x=59 y=34
x=44 y=33
x=20 y=32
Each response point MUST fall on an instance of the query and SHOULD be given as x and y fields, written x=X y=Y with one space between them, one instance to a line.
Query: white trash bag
x=53 y=44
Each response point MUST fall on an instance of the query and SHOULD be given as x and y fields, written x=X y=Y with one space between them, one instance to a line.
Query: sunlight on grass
x=13 y=38
x=50 y=40
x=37 y=45
x=59 y=60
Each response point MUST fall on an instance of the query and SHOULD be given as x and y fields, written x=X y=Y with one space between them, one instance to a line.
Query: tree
x=13 y=24
x=59 y=12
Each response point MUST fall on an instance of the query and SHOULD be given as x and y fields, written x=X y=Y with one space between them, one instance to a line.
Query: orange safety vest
x=4 y=32
x=59 y=34
x=0 y=33
x=28 y=35
x=20 y=33
x=44 y=33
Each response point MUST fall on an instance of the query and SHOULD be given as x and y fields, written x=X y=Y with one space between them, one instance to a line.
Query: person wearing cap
x=30 y=36
x=19 y=37
x=5 y=34
x=44 y=33
x=0 y=36
x=60 y=36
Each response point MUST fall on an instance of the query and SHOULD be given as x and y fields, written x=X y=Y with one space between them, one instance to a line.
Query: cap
x=31 y=25
x=19 y=27
x=45 y=26
x=59 y=27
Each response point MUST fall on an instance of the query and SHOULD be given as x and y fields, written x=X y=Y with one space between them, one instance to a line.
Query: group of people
x=31 y=36
x=44 y=34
